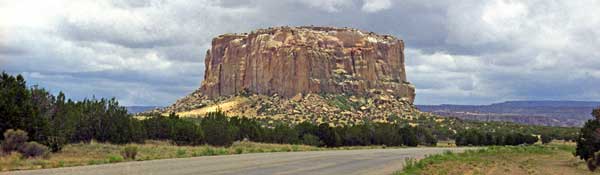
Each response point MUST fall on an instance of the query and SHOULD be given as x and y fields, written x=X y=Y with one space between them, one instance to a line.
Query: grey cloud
x=152 y=52
x=132 y=89
x=11 y=50
x=73 y=31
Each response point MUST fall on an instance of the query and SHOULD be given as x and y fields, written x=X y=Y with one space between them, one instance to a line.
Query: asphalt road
x=368 y=161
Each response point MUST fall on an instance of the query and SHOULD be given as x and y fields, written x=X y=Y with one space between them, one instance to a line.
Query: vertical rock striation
x=292 y=60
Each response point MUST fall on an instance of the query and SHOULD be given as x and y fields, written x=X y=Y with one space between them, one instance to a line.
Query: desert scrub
x=13 y=140
x=34 y=149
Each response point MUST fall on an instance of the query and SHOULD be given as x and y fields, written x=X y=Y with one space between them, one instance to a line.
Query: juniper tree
x=588 y=142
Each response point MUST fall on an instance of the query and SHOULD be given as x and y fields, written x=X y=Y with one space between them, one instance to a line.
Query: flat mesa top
x=313 y=32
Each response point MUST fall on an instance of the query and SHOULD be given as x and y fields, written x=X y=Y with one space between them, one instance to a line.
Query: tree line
x=474 y=137
x=55 y=121
x=218 y=129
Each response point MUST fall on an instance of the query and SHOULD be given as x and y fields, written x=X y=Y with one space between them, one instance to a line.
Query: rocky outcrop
x=301 y=60
x=334 y=109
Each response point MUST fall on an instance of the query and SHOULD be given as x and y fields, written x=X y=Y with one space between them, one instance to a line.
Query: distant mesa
x=547 y=113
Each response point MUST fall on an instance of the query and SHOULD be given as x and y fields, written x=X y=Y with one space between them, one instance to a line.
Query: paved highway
x=368 y=161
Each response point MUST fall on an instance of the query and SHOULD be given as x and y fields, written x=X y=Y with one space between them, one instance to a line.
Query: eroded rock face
x=292 y=60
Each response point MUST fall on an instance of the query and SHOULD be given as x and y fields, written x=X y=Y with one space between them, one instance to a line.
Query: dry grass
x=446 y=143
x=101 y=153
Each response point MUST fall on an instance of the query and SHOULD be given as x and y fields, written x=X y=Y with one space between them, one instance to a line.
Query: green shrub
x=185 y=132
x=56 y=143
x=61 y=163
x=310 y=139
x=129 y=152
x=13 y=140
x=218 y=130
x=115 y=159
x=239 y=150
x=546 y=139
x=222 y=151
x=408 y=136
x=295 y=148
x=33 y=149
x=209 y=151
x=196 y=154
x=181 y=153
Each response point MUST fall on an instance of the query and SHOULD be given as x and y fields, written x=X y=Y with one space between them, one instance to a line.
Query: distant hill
x=138 y=109
x=591 y=104
x=547 y=113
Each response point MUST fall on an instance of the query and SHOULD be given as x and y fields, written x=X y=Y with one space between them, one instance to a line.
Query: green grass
x=479 y=161
x=415 y=167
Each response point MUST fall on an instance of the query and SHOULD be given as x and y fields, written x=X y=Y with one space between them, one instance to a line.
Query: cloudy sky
x=458 y=51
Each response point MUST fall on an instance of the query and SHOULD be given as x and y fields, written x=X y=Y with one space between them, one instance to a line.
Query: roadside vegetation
x=552 y=157
x=101 y=153
x=534 y=159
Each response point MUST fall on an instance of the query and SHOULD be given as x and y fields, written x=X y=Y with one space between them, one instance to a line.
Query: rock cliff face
x=301 y=60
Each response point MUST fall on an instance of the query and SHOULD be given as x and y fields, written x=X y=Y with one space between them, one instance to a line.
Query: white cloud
x=328 y=5
x=28 y=13
x=442 y=78
x=376 y=5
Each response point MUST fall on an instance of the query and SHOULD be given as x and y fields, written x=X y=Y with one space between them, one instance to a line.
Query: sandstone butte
x=302 y=60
